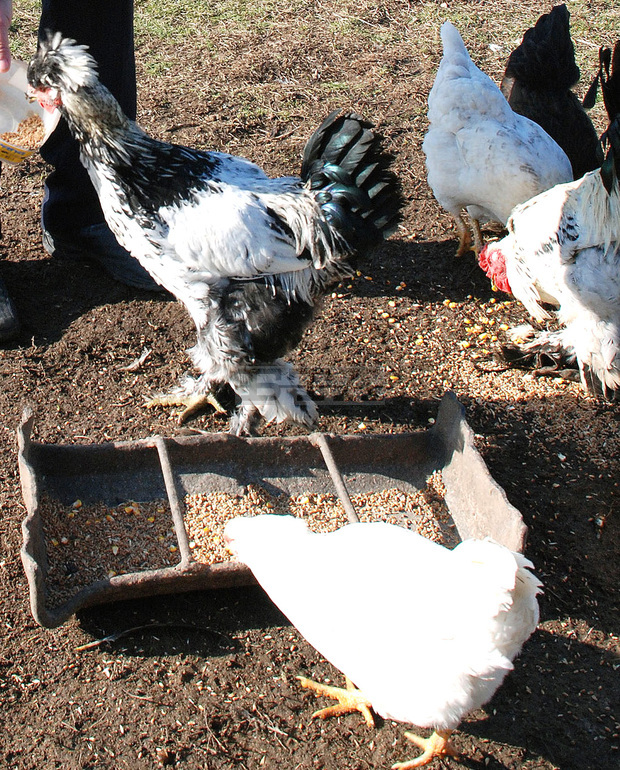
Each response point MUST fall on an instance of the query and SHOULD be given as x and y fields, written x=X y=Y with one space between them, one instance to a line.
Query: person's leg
x=72 y=219
x=9 y=325
x=106 y=27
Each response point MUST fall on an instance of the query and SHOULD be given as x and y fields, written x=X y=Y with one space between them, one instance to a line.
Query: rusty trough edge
x=470 y=487
x=468 y=482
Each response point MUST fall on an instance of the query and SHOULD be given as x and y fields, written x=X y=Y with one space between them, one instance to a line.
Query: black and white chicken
x=429 y=663
x=249 y=256
x=563 y=249
x=480 y=155
x=540 y=75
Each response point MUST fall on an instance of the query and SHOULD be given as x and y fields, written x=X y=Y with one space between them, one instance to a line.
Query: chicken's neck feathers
x=99 y=125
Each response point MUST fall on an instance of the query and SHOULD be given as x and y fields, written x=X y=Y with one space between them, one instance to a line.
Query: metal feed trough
x=159 y=468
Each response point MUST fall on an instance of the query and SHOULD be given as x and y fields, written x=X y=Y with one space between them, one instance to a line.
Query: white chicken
x=430 y=667
x=563 y=248
x=249 y=256
x=480 y=155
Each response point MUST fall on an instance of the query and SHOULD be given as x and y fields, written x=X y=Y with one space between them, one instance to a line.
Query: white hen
x=429 y=667
x=480 y=155
x=563 y=248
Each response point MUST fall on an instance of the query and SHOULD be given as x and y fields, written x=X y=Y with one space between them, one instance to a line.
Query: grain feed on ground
x=29 y=134
x=87 y=543
x=206 y=513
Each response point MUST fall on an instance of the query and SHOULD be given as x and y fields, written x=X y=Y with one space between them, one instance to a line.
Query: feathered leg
x=274 y=391
x=189 y=395
x=542 y=351
x=218 y=354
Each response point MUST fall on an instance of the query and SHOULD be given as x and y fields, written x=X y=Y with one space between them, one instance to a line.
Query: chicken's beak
x=48 y=98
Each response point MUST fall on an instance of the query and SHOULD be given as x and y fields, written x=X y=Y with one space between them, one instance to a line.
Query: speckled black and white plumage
x=563 y=248
x=248 y=255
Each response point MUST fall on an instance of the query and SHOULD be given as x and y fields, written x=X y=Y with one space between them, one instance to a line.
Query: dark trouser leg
x=106 y=26
x=72 y=219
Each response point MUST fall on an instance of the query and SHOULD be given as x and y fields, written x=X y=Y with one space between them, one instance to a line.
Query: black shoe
x=9 y=325
x=97 y=243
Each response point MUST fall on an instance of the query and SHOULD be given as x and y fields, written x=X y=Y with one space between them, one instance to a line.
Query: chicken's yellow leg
x=438 y=745
x=349 y=700
x=193 y=403
x=478 y=239
x=464 y=237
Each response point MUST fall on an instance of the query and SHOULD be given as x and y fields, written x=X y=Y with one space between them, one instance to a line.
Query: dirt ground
x=208 y=681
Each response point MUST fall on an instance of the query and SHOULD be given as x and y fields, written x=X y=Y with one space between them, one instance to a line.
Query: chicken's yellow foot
x=438 y=745
x=193 y=403
x=349 y=700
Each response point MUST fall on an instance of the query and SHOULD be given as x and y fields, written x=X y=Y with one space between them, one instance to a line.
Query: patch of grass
x=24 y=28
x=175 y=20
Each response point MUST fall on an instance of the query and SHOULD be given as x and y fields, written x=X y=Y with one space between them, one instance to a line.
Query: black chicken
x=537 y=83
x=249 y=256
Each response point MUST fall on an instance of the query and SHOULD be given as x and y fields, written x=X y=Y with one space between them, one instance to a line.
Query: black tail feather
x=609 y=77
x=610 y=170
x=345 y=164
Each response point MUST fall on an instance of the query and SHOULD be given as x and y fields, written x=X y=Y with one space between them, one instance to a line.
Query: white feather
x=563 y=247
x=481 y=155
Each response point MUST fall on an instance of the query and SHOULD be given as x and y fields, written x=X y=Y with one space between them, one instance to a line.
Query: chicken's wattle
x=492 y=261
x=49 y=99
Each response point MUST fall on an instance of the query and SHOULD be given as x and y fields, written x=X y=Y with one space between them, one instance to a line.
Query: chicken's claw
x=349 y=699
x=193 y=403
x=438 y=745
